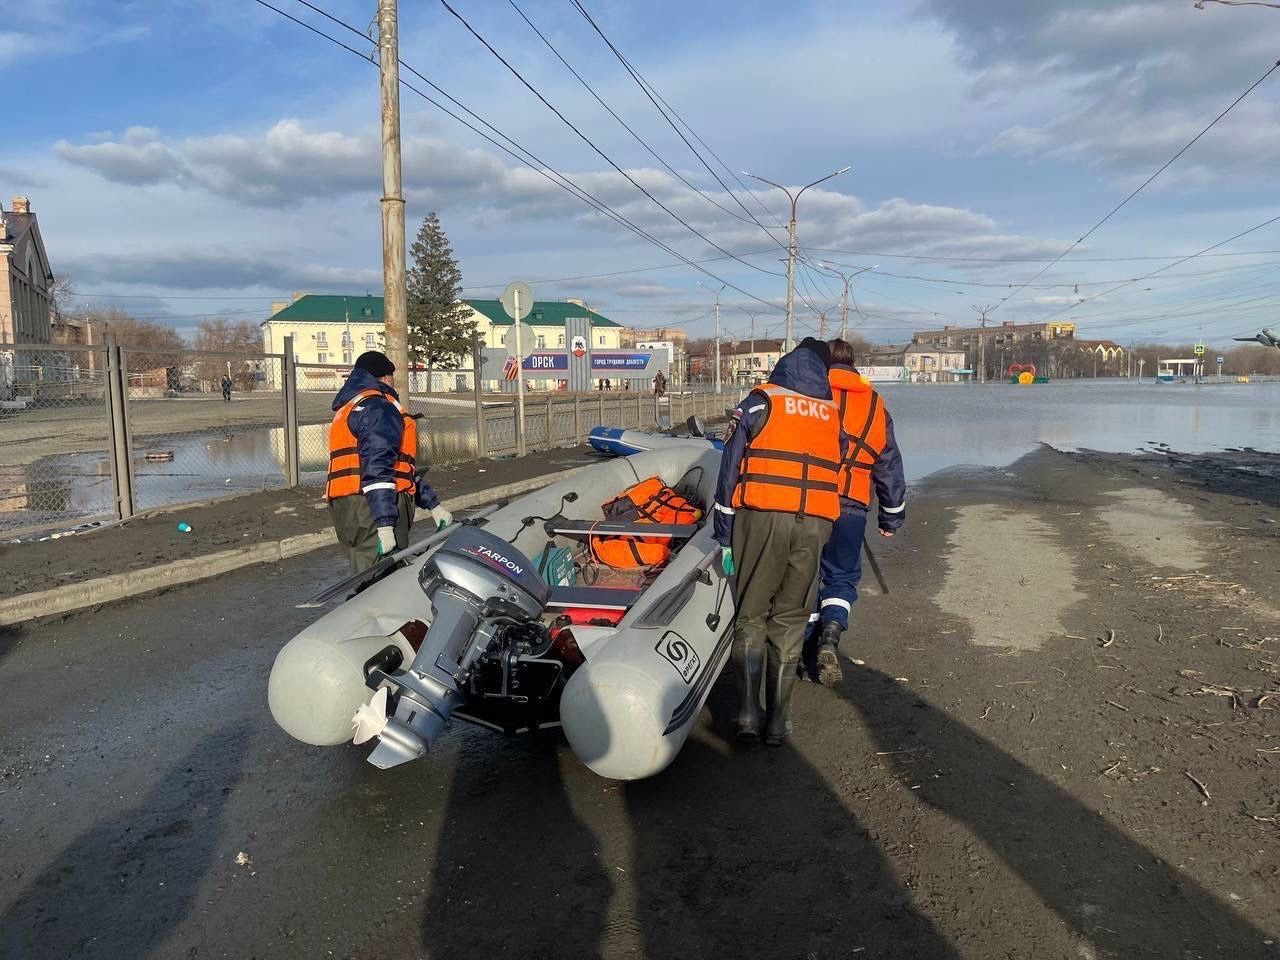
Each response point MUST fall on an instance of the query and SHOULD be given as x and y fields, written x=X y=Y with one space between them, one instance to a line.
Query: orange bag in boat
x=649 y=501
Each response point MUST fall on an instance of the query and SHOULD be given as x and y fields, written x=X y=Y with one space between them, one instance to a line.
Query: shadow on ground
x=122 y=887
x=1110 y=890
x=733 y=853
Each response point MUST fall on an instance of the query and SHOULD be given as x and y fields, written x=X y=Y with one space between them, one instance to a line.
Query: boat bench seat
x=594 y=598
x=616 y=528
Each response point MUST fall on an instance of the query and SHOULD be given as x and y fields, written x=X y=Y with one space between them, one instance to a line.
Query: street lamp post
x=717 y=293
x=844 y=303
x=791 y=243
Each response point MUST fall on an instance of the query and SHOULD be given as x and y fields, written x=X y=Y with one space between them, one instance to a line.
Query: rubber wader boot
x=780 y=681
x=748 y=665
x=829 y=672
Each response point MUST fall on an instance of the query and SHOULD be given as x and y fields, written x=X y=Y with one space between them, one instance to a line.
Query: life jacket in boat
x=792 y=464
x=649 y=501
x=863 y=418
x=344 y=455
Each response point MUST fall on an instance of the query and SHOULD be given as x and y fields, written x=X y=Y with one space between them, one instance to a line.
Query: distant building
x=749 y=364
x=25 y=277
x=637 y=336
x=921 y=364
x=1006 y=332
x=336 y=329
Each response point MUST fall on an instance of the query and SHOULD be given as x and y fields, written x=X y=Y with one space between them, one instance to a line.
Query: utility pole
x=791 y=244
x=822 y=325
x=982 y=342
x=395 y=308
x=717 y=293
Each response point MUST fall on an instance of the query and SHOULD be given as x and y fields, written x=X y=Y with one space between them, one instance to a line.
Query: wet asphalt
x=149 y=807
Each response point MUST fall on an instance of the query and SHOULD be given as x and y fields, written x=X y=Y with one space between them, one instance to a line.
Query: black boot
x=829 y=673
x=780 y=681
x=747 y=661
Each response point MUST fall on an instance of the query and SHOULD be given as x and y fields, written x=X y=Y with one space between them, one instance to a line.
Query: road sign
x=1221 y=361
x=517 y=300
x=1199 y=350
x=527 y=340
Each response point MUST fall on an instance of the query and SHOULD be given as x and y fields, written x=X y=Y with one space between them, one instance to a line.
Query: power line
x=1142 y=186
x=534 y=163
x=948 y=259
x=615 y=273
x=587 y=140
x=640 y=140
x=1170 y=266
x=649 y=92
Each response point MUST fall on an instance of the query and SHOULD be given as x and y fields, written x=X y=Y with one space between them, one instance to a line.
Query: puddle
x=1008 y=577
x=1157 y=528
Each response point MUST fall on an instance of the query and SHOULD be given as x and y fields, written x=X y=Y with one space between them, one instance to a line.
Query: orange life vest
x=649 y=501
x=344 y=456
x=792 y=465
x=863 y=418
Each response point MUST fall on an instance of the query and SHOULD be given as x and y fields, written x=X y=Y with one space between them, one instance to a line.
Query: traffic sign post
x=1220 y=361
x=517 y=301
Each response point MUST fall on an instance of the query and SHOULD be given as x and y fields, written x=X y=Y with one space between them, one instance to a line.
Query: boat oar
x=875 y=567
x=392 y=560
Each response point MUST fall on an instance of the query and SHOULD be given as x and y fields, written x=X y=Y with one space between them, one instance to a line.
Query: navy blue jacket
x=801 y=370
x=379 y=429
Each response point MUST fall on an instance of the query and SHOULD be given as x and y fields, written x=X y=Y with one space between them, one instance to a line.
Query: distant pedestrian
x=659 y=384
x=373 y=484
x=872 y=461
x=226 y=389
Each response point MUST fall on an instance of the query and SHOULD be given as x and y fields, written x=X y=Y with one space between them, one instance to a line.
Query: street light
x=844 y=304
x=791 y=244
x=717 y=293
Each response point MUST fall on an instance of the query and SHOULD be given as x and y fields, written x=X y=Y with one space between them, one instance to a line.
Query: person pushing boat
x=373 y=484
x=872 y=459
x=776 y=499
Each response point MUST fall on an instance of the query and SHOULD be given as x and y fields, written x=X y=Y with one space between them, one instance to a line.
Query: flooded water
x=941 y=426
x=938 y=426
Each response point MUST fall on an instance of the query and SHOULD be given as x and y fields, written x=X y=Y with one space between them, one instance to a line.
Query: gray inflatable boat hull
x=627 y=710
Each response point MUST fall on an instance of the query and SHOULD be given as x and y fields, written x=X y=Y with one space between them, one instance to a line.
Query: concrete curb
x=121 y=586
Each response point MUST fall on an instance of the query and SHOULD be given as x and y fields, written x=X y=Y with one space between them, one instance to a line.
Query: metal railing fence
x=92 y=433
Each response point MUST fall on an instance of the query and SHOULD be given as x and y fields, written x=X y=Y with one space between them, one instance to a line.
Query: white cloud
x=1134 y=82
x=289 y=165
x=215 y=269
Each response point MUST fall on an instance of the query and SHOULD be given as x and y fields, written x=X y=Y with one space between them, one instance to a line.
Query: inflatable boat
x=621 y=442
x=529 y=616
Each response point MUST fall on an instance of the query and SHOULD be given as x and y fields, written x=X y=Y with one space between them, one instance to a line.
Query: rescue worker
x=373 y=485
x=776 y=499
x=872 y=459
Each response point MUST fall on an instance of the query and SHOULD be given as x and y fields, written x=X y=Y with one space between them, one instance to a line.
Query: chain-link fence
x=203 y=424
x=100 y=432
x=55 y=436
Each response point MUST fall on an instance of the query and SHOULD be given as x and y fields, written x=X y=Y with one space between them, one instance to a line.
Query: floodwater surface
x=938 y=426
x=946 y=425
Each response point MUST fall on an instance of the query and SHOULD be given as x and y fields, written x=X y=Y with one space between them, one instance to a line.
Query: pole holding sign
x=517 y=301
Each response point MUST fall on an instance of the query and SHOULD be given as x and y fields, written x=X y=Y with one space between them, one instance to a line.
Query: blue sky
x=197 y=157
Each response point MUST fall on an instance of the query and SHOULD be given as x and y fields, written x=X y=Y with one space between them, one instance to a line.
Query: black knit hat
x=376 y=363
x=819 y=347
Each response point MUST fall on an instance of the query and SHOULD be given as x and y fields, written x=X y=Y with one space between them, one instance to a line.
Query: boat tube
x=620 y=442
x=509 y=622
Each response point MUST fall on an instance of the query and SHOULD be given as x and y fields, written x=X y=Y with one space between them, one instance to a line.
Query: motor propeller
x=370 y=718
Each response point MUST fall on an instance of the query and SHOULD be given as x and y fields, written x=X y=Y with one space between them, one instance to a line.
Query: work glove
x=726 y=561
x=386 y=540
x=441 y=516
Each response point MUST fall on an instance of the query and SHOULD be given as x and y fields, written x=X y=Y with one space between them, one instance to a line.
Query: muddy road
x=1059 y=743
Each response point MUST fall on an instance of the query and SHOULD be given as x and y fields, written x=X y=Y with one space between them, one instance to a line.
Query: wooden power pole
x=395 y=311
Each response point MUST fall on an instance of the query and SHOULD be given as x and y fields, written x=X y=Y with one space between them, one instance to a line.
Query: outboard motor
x=478 y=585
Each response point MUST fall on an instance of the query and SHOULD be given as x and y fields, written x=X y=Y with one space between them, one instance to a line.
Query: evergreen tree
x=440 y=325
